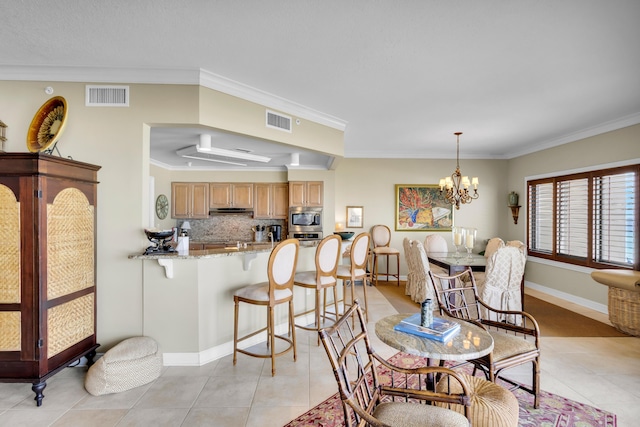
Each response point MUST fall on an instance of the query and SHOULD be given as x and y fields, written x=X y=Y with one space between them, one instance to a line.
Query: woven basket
x=624 y=310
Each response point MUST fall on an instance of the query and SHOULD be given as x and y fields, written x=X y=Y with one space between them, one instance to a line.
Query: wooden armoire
x=47 y=266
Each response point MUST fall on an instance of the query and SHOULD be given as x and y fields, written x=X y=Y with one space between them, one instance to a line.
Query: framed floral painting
x=422 y=208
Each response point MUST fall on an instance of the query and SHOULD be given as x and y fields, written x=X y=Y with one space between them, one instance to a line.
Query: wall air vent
x=278 y=121
x=107 y=96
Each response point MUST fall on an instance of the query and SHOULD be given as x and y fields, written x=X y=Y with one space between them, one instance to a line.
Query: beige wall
x=118 y=140
x=622 y=145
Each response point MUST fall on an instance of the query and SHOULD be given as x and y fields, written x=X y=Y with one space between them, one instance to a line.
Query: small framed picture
x=355 y=217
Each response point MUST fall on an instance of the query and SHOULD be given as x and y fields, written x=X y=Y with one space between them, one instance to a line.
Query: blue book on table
x=440 y=330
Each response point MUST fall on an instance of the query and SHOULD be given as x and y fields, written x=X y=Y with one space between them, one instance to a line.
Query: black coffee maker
x=276 y=230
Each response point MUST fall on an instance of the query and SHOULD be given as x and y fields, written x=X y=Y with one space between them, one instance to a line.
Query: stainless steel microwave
x=305 y=220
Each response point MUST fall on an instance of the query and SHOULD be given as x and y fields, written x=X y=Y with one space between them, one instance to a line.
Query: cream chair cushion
x=129 y=364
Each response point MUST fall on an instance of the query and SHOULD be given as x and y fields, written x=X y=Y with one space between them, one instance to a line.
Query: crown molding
x=179 y=76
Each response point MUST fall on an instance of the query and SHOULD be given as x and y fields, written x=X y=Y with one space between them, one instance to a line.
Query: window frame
x=591 y=175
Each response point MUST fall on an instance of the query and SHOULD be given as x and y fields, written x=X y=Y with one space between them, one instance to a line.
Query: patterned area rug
x=554 y=411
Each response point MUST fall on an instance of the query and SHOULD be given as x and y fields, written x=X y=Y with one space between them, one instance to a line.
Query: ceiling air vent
x=107 y=96
x=278 y=121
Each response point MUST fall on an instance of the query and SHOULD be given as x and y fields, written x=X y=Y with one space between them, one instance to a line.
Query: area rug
x=554 y=411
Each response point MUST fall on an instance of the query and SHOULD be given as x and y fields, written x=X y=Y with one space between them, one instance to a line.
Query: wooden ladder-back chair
x=320 y=280
x=514 y=345
x=381 y=238
x=278 y=290
x=398 y=403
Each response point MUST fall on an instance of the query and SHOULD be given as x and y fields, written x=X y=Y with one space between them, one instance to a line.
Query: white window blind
x=588 y=219
x=614 y=216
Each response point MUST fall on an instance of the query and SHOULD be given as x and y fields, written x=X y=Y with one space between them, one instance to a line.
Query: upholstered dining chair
x=406 y=247
x=435 y=243
x=514 y=345
x=422 y=288
x=493 y=245
x=502 y=288
x=366 y=401
x=277 y=290
x=320 y=280
x=381 y=239
x=517 y=244
x=356 y=270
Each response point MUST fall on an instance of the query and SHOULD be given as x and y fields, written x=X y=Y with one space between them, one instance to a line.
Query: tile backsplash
x=228 y=228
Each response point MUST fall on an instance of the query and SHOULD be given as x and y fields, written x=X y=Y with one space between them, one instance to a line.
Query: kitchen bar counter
x=187 y=300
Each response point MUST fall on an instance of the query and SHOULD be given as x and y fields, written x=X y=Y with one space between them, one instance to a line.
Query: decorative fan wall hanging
x=47 y=126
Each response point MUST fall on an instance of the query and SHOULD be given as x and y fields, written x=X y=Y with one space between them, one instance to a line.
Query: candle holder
x=469 y=238
x=456 y=237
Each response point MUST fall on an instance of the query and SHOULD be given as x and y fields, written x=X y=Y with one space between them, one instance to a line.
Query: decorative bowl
x=346 y=235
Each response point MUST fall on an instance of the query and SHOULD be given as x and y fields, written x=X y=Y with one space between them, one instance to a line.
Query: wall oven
x=305 y=223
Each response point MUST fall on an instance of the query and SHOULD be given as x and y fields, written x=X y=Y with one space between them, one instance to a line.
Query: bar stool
x=357 y=270
x=278 y=290
x=321 y=279
x=381 y=235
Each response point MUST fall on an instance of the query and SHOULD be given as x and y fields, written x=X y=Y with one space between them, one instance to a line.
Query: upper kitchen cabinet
x=230 y=195
x=306 y=193
x=271 y=200
x=190 y=200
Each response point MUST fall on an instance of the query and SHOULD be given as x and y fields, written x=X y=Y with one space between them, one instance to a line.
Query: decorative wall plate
x=47 y=125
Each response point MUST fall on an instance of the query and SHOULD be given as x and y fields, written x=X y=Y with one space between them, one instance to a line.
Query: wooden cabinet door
x=279 y=201
x=262 y=201
x=219 y=195
x=180 y=199
x=306 y=193
x=297 y=193
x=314 y=195
x=242 y=195
x=200 y=200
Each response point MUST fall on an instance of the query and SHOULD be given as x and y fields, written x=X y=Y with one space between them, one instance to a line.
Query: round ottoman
x=129 y=364
x=491 y=404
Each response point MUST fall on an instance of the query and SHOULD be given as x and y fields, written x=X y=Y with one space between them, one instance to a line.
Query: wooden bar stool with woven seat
x=381 y=237
x=320 y=280
x=278 y=290
x=357 y=270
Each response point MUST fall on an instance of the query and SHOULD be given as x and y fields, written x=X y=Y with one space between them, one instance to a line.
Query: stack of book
x=440 y=330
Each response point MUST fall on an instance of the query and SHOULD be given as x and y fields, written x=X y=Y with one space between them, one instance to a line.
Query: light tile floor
x=603 y=372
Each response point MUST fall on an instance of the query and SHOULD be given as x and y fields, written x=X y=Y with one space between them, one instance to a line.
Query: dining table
x=456 y=262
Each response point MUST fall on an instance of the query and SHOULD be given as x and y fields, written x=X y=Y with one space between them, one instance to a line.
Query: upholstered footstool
x=491 y=404
x=129 y=364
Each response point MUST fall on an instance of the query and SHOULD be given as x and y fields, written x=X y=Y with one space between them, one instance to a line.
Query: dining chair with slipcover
x=493 y=245
x=277 y=290
x=517 y=244
x=514 y=345
x=422 y=287
x=381 y=239
x=502 y=288
x=435 y=243
x=356 y=270
x=320 y=281
x=367 y=401
x=411 y=270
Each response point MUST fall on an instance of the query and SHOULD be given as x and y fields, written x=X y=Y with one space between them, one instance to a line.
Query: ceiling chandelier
x=456 y=185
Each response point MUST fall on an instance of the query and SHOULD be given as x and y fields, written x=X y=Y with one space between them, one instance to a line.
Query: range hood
x=230 y=211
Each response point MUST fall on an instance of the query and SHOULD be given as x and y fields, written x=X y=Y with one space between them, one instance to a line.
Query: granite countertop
x=232 y=250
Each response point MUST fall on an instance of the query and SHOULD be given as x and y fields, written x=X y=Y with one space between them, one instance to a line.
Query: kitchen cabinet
x=190 y=200
x=306 y=193
x=271 y=200
x=231 y=195
x=47 y=259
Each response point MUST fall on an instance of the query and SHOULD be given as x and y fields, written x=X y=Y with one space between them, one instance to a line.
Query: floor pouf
x=491 y=404
x=131 y=363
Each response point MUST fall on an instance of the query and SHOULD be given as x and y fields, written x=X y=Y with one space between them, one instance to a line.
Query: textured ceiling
x=514 y=76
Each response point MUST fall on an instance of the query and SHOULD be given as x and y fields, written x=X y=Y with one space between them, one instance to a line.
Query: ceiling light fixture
x=456 y=185
x=295 y=159
x=205 y=147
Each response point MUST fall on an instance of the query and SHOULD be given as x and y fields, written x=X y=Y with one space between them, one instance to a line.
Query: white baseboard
x=601 y=308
